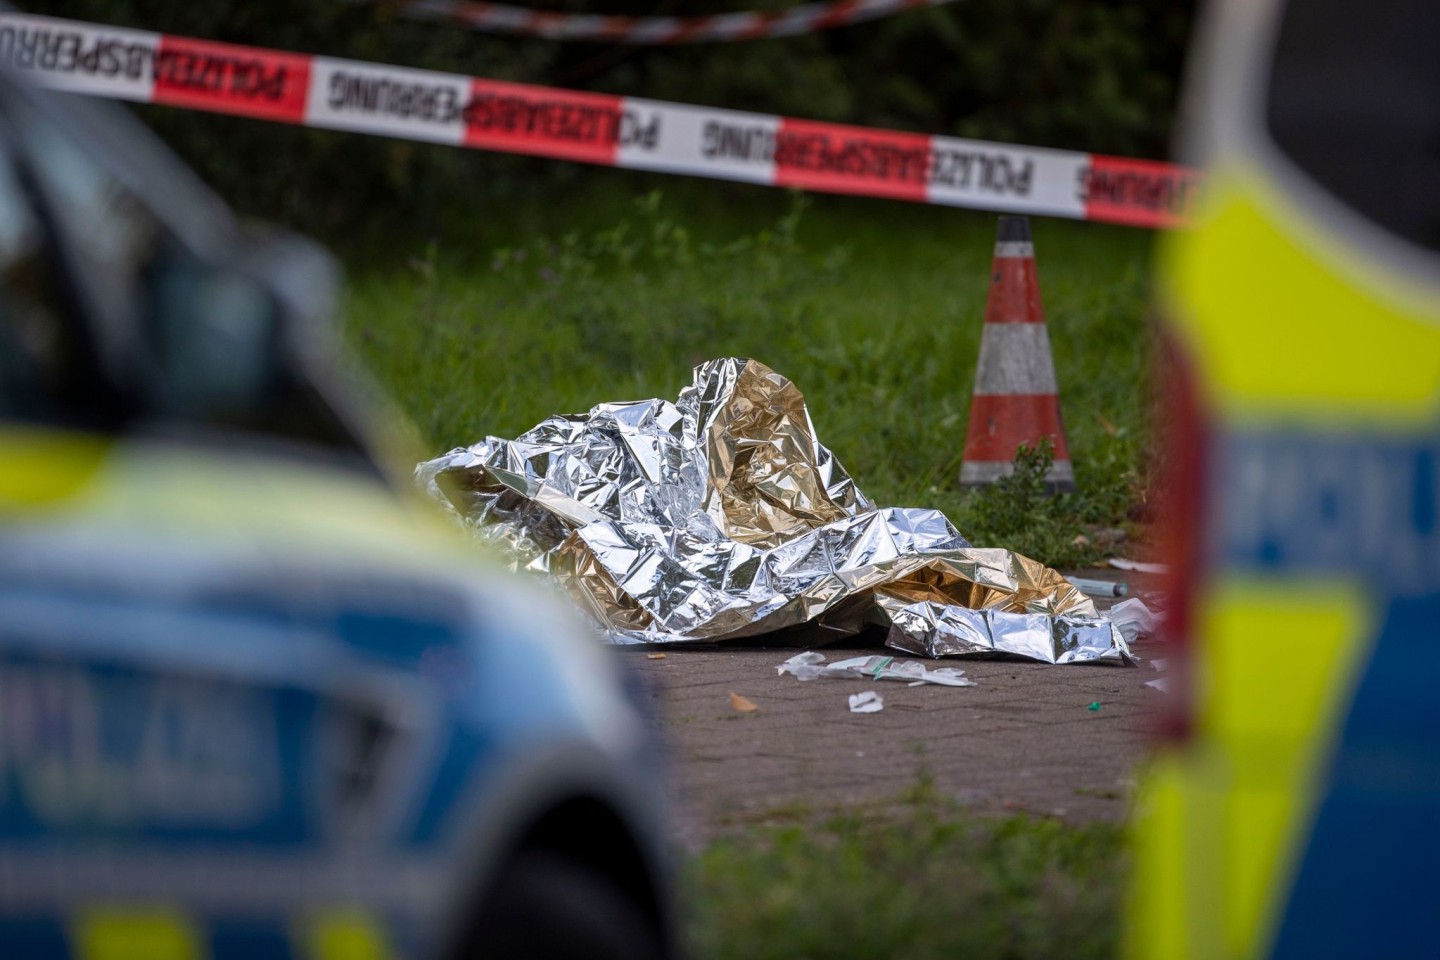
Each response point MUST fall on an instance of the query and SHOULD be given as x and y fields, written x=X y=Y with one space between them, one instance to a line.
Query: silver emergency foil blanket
x=721 y=516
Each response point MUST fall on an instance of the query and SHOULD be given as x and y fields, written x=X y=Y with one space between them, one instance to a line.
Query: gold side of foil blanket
x=721 y=516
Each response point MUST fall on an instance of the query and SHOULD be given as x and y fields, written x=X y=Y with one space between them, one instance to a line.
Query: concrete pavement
x=1023 y=738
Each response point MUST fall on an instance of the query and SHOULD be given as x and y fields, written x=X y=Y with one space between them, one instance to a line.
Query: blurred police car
x=252 y=702
x=1294 y=811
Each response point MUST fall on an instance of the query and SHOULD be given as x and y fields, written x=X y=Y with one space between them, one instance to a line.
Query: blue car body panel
x=343 y=734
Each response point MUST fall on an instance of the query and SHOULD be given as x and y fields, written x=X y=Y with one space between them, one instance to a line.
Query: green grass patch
x=874 y=309
x=926 y=881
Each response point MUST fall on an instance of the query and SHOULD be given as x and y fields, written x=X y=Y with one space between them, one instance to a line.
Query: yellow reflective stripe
x=315 y=511
x=1280 y=327
x=1279 y=660
x=39 y=467
x=1176 y=890
x=146 y=934
x=1273 y=650
x=1260 y=837
x=1158 y=891
x=346 y=934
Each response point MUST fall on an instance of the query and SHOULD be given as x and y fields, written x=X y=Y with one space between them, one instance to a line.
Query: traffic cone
x=1015 y=400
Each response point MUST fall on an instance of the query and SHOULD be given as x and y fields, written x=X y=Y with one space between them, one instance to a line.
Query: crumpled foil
x=721 y=516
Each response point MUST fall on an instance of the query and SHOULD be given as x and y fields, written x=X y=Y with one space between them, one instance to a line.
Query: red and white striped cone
x=1016 y=399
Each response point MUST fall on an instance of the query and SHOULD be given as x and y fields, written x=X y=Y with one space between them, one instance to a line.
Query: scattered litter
x=1093 y=708
x=1100 y=588
x=919 y=675
x=1160 y=663
x=1133 y=619
x=804 y=666
x=866 y=702
x=810 y=665
x=1162 y=684
x=741 y=704
x=654 y=656
x=1120 y=563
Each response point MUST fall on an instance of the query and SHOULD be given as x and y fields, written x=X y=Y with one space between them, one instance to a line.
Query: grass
x=874 y=309
x=927 y=880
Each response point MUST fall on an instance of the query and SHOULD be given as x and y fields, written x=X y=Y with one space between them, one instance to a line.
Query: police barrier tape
x=658 y=31
x=590 y=127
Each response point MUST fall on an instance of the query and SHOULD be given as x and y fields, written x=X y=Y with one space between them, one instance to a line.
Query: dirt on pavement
x=1026 y=737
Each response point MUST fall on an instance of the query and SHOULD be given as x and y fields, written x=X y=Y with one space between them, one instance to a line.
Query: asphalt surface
x=1026 y=737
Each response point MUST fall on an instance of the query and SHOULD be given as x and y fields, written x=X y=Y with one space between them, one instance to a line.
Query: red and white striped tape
x=591 y=127
x=658 y=31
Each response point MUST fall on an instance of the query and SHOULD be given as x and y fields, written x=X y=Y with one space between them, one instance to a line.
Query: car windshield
x=42 y=358
x=1367 y=133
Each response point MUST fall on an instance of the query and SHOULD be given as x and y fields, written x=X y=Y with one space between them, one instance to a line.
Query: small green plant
x=1020 y=512
x=1015 y=503
x=1023 y=512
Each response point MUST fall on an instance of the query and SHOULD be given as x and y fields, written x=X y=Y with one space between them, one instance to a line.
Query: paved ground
x=1023 y=738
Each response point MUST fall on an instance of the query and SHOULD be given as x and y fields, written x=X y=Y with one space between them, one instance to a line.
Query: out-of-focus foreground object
x=1292 y=811
x=253 y=701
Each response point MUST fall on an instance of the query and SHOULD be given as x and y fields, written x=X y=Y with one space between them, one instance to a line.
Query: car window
x=113 y=230
x=1353 y=101
x=123 y=277
x=107 y=239
x=38 y=360
x=160 y=312
x=190 y=340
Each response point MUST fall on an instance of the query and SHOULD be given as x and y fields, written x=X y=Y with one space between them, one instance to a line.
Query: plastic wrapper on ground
x=867 y=701
x=811 y=666
x=721 y=517
x=1133 y=619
